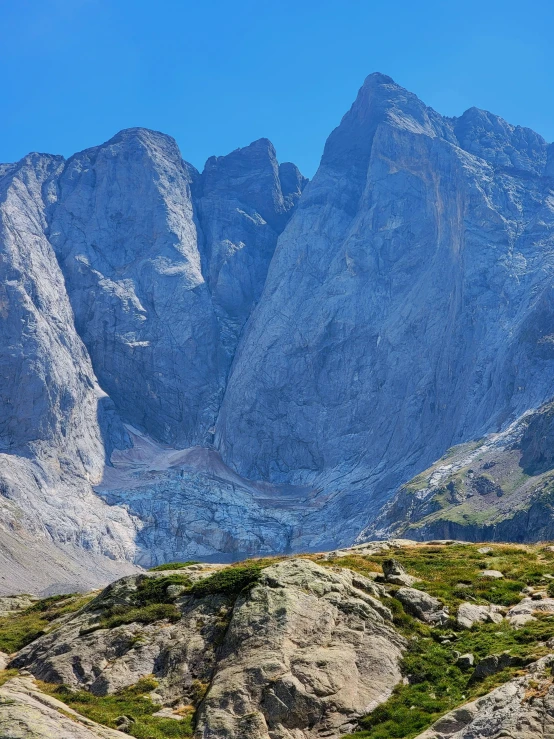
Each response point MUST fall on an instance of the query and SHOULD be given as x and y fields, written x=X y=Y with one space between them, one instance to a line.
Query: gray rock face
x=327 y=342
x=161 y=283
x=51 y=446
x=245 y=200
x=127 y=240
x=107 y=248
x=301 y=655
x=407 y=306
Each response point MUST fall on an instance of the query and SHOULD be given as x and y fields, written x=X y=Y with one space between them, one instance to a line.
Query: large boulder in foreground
x=301 y=653
x=27 y=713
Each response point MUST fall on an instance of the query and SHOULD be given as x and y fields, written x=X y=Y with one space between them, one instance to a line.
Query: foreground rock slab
x=27 y=713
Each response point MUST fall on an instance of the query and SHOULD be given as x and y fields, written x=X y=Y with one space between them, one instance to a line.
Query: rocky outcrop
x=523 y=707
x=304 y=652
x=496 y=488
x=27 y=713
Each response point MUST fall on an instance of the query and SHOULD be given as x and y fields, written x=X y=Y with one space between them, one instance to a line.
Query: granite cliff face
x=238 y=362
x=127 y=280
x=408 y=305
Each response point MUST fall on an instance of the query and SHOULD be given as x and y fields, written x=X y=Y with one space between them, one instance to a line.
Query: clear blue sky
x=218 y=74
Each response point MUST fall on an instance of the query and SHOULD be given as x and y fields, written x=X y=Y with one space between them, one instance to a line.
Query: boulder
x=470 y=614
x=491 y=664
x=524 y=611
x=465 y=661
x=423 y=606
x=394 y=573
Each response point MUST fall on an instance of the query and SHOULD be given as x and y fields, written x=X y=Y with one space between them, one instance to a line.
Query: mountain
x=408 y=305
x=238 y=362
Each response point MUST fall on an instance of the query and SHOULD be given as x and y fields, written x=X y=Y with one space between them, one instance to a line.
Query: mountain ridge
x=325 y=341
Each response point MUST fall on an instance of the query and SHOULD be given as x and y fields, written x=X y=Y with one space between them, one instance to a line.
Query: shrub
x=229 y=581
x=120 y=615
x=172 y=566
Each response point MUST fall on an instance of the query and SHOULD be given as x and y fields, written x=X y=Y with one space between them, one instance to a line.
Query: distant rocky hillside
x=238 y=362
x=500 y=488
x=389 y=640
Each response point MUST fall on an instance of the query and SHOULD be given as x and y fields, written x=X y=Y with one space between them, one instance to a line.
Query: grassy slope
x=435 y=683
x=452 y=573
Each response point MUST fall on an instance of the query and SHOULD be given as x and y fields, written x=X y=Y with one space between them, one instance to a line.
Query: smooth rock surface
x=470 y=614
x=27 y=713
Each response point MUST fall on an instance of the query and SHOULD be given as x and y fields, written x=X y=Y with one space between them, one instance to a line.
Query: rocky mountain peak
x=491 y=138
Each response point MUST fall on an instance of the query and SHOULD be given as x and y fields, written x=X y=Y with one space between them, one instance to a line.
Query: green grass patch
x=231 y=580
x=436 y=684
x=173 y=566
x=132 y=702
x=152 y=601
x=22 y=627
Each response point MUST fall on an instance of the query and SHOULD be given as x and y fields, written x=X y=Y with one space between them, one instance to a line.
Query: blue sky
x=219 y=74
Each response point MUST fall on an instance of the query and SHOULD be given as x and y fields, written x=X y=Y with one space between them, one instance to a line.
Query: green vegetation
x=157 y=589
x=22 y=627
x=172 y=566
x=231 y=580
x=152 y=601
x=120 y=615
x=436 y=684
x=132 y=702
